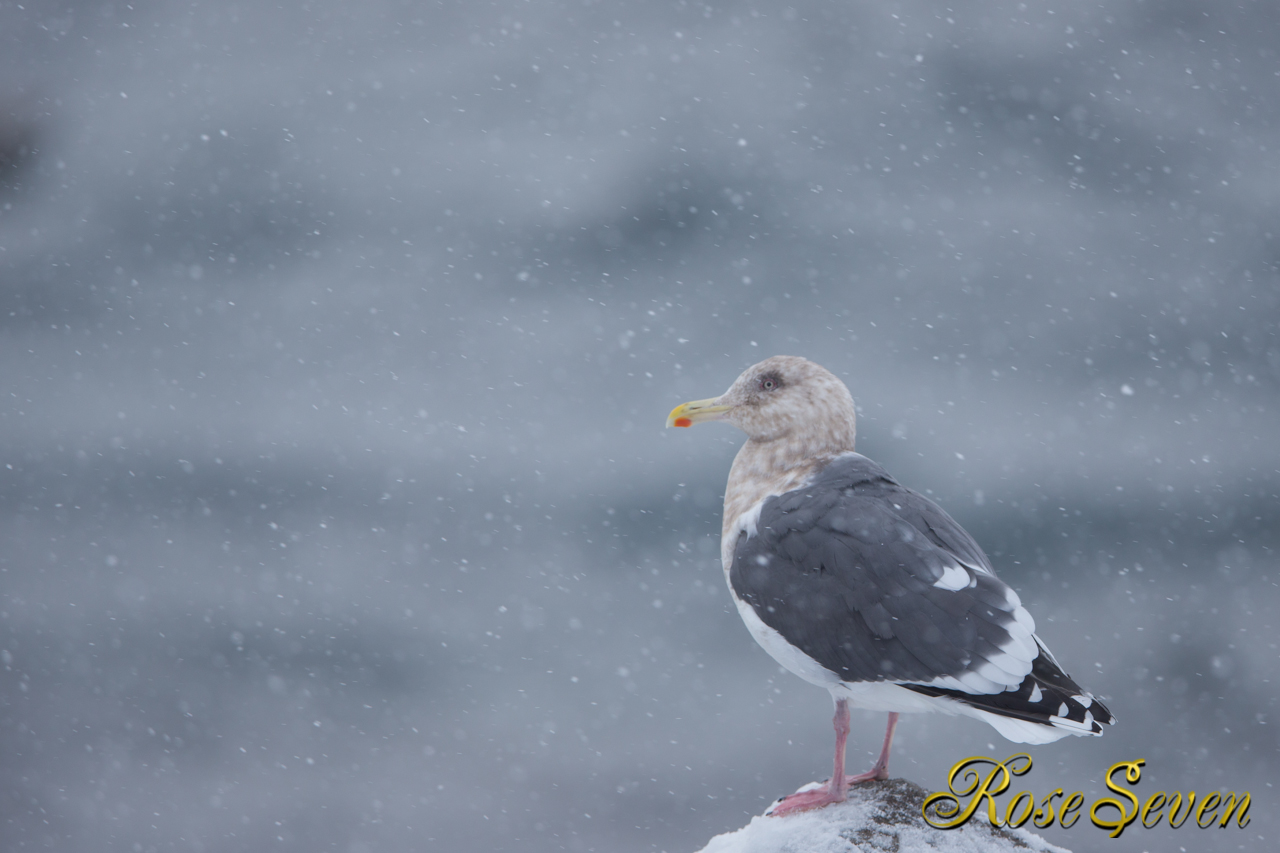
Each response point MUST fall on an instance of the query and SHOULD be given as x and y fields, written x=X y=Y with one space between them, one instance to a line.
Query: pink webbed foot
x=875 y=774
x=815 y=795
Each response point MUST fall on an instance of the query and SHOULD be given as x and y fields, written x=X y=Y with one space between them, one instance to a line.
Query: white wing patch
x=954 y=578
x=1063 y=724
x=968 y=681
x=749 y=523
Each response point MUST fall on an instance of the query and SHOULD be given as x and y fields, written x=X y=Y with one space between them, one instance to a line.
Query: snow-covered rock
x=878 y=817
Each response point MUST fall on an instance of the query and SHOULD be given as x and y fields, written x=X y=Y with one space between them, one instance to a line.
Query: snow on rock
x=878 y=817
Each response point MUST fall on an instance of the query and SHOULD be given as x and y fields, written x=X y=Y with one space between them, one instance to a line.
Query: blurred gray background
x=336 y=342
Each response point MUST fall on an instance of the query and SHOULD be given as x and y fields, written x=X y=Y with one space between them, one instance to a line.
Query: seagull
x=860 y=585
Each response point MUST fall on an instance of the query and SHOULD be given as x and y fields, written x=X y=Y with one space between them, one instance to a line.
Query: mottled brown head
x=783 y=397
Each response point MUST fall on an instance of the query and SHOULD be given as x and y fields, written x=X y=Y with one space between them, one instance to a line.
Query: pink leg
x=880 y=770
x=815 y=795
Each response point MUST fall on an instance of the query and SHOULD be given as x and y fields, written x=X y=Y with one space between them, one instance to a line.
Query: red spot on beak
x=684 y=422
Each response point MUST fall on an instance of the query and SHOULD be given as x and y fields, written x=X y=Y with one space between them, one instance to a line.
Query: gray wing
x=877 y=583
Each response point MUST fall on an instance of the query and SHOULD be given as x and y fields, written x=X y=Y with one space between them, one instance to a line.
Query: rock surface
x=878 y=817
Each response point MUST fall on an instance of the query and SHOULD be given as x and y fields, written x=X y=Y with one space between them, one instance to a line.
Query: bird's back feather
x=876 y=583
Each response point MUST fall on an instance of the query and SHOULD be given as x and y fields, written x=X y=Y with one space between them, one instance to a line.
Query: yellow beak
x=696 y=412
